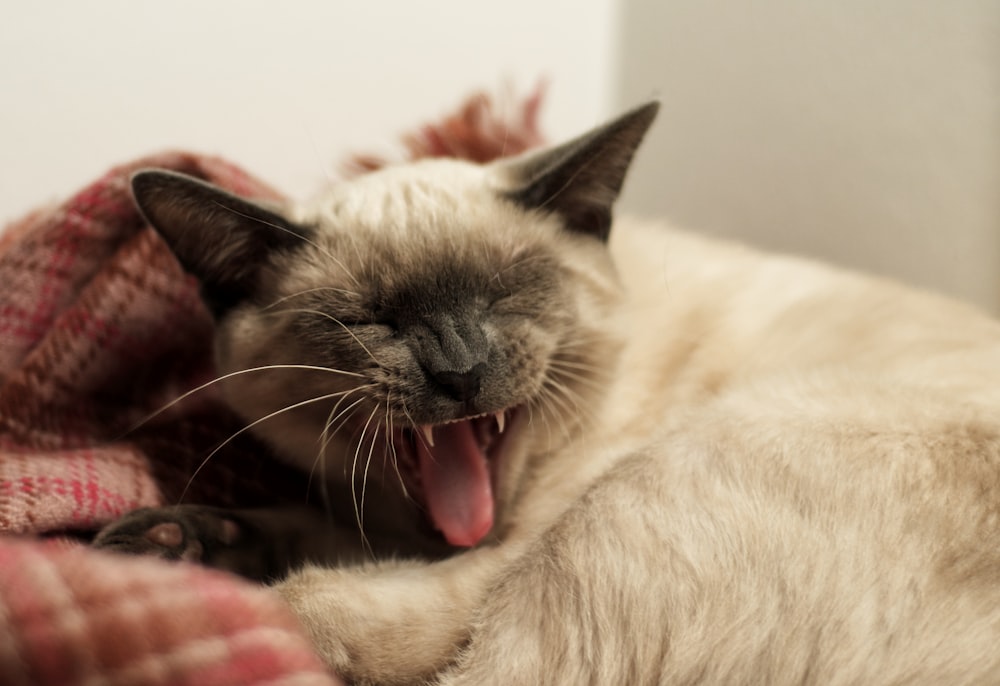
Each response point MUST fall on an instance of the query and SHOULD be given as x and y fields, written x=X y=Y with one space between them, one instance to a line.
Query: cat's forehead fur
x=434 y=219
x=443 y=198
x=392 y=197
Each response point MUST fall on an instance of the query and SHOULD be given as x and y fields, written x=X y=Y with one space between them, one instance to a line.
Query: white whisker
x=364 y=476
x=391 y=452
x=308 y=241
x=325 y=437
x=250 y=426
x=558 y=370
x=336 y=321
x=239 y=372
x=343 y=417
x=358 y=513
x=309 y=291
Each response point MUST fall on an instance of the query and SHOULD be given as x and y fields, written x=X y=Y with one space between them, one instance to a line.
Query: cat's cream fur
x=752 y=469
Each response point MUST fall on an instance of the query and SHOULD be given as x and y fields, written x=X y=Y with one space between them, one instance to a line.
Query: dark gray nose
x=461 y=386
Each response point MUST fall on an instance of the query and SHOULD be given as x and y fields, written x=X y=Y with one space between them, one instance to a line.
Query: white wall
x=865 y=131
x=285 y=89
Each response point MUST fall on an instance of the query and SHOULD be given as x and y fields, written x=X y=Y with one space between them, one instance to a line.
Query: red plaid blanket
x=99 y=328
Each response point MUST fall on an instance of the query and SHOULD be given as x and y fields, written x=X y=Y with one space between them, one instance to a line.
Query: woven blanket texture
x=100 y=329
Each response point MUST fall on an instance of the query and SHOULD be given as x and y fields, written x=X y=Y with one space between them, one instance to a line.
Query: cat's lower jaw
x=453 y=468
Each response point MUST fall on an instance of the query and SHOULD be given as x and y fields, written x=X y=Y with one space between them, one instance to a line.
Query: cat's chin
x=452 y=470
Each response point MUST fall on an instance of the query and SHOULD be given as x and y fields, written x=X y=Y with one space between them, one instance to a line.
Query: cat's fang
x=501 y=420
x=428 y=431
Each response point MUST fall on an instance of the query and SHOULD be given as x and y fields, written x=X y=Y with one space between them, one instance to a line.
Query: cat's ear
x=222 y=239
x=580 y=180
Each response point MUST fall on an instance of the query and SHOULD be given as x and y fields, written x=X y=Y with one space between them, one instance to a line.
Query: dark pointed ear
x=222 y=239
x=580 y=180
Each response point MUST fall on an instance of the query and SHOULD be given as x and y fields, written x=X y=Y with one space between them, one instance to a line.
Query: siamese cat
x=568 y=449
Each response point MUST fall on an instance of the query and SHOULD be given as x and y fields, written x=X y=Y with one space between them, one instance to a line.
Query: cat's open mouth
x=452 y=469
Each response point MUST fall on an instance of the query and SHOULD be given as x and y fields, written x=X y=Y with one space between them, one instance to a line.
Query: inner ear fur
x=223 y=239
x=581 y=180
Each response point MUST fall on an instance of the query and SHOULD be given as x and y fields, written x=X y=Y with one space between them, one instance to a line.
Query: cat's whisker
x=267 y=367
x=339 y=323
x=308 y=291
x=324 y=485
x=413 y=427
x=545 y=422
x=590 y=384
x=252 y=424
x=563 y=361
x=556 y=393
x=557 y=403
x=559 y=369
x=531 y=414
x=581 y=339
x=364 y=477
x=582 y=411
x=324 y=251
x=358 y=507
x=325 y=438
x=343 y=417
x=409 y=417
x=566 y=379
x=546 y=415
x=321 y=457
x=393 y=458
x=391 y=454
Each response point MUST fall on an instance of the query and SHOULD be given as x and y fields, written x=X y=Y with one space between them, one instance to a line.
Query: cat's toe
x=170 y=533
x=170 y=536
x=211 y=536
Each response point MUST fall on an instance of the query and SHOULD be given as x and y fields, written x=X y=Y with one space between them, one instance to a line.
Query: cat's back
x=711 y=314
x=825 y=461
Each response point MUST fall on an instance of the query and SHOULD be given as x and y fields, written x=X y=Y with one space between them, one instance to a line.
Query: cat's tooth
x=501 y=419
x=428 y=432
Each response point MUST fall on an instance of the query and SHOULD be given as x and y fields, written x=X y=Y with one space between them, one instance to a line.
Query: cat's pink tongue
x=456 y=482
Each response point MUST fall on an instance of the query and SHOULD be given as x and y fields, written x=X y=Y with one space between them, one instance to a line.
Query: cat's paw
x=390 y=622
x=210 y=536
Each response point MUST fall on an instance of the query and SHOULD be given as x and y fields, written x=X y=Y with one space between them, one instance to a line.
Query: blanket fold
x=99 y=328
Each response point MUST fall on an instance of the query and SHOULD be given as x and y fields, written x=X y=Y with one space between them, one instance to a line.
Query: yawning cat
x=563 y=449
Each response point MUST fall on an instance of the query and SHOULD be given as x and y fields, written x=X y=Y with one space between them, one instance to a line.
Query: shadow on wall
x=863 y=132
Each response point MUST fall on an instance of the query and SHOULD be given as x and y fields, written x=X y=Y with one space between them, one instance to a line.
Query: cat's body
x=715 y=466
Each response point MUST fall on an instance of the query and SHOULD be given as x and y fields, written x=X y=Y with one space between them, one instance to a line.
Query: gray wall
x=863 y=131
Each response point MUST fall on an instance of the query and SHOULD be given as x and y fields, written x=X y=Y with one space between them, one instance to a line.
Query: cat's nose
x=461 y=386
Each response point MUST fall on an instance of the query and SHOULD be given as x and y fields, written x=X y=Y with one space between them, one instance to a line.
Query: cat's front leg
x=394 y=622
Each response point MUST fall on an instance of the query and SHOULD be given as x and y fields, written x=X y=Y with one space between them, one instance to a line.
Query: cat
x=586 y=449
